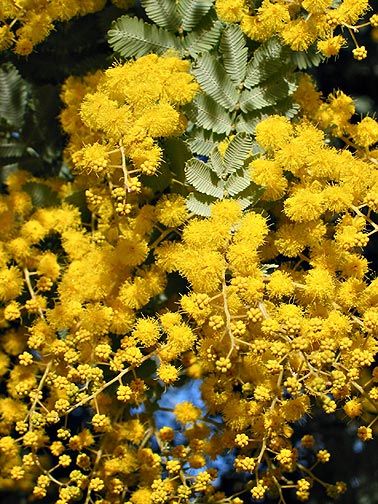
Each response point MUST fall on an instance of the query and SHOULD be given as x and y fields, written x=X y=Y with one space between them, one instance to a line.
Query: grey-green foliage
x=30 y=136
x=237 y=93
x=307 y=59
x=13 y=96
x=203 y=141
x=14 y=93
x=163 y=13
x=234 y=52
x=192 y=11
x=215 y=81
x=222 y=176
x=133 y=37
x=186 y=26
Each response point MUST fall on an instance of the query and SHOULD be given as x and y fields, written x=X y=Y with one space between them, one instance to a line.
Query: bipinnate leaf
x=204 y=38
x=132 y=37
x=234 y=52
x=207 y=113
x=163 y=13
x=192 y=12
x=199 y=204
x=215 y=81
x=202 y=141
x=237 y=183
x=239 y=148
x=13 y=96
x=200 y=176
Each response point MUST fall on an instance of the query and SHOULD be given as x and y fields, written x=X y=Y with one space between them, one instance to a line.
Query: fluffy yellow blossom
x=306 y=204
x=167 y=373
x=11 y=283
x=91 y=158
x=274 y=132
x=366 y=133
x=280 y=284
x=331 y=46
x=231 y=11
x=146 y=331
x=185 y=412
x=269 y=174
x=171 y=210
x=128 y=116
x=353 y=408
x=299 y=24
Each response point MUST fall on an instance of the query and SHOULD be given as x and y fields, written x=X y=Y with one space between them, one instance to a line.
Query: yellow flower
x=274 y=132
x=171 y=210
x=331 y=46
x=366 y=133
x=231 y=11
x=185 y=412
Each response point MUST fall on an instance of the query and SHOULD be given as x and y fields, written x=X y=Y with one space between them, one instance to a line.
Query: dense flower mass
x=116 y=290
x=300 y=23
x=114 y=117
x=268 y=341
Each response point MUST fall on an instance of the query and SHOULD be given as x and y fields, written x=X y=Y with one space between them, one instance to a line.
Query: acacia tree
x=198 y=222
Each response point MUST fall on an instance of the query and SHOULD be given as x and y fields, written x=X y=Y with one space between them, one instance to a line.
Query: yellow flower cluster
x=279 y=313
x=115 y=117
x=25 y=23
x=71 y=331
x=336 y=115
x=73 y=295
x=284 y=305
x=299 y=23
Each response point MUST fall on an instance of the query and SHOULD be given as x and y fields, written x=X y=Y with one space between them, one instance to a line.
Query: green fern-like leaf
x=287 y=108
x=199 y=204
x=237 y=183
x=238 y=150
x=246 y=123
x=250 y=195
x=304 y=60
x=199 y=175
x=214 y=80
x=257 y=98
x=269 y=59
x=260 y=72
x=13 y=96
x=133 y=37
x=216 y=162
x=162 y=12
x=203 y=141
x=206 y=113
x=192 y=12
x=247 y=202
x=234 y=52
x=221 y=178
x=9 y=149
x=268 y=94
x=205 y=38
x=272 y=49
